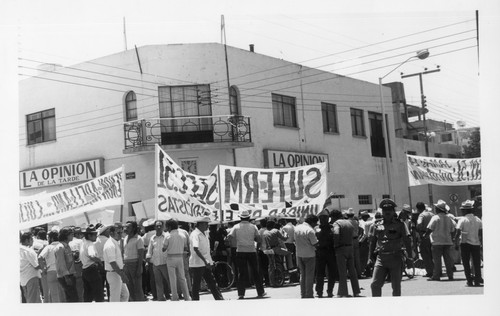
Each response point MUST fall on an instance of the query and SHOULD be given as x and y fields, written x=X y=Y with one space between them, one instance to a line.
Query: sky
x=364 y=45
x=361 y=39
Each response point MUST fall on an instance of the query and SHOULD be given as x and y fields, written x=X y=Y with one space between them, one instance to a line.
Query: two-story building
x=253 y=111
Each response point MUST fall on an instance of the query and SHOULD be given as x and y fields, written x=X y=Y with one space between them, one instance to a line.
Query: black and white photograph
x=256 y=157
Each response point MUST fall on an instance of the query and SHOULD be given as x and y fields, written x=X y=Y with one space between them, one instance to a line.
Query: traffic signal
x=424 y=101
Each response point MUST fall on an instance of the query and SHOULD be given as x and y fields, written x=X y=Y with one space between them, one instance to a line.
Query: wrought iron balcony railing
x=187 y=130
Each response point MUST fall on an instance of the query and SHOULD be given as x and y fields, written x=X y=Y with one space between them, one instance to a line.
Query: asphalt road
x=418 y=286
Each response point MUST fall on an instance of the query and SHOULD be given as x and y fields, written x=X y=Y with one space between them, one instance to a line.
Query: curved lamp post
x=422 y=54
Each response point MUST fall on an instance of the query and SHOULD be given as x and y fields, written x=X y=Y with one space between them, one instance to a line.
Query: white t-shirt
x=199 y=240
x=112 y=252
x=29 y=261
x=470 y=226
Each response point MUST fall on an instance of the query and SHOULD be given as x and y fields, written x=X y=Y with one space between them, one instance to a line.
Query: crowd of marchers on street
x=170 y=260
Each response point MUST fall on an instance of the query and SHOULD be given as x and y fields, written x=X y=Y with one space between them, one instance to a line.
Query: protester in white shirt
x=113 y=263
x=30 y=270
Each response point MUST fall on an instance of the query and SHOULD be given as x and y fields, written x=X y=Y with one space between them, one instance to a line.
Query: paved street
x=418 y=286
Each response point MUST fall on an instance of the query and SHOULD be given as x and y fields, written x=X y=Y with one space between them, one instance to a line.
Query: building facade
x=113 y=110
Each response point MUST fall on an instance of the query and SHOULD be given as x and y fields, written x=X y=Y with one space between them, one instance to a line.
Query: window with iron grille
x=41 y=126
x=329 y=113
x=284 y=110
x=130 y=106
x=364 y=199
x=386 y=196
x=357 y=123
x=234 y=99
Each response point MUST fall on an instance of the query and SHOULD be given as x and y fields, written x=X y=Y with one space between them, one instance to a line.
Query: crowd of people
x=167 y=260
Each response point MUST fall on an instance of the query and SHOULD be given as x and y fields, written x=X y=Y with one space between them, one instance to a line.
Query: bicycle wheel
x=409 y=269
x=223 y=274
x=279 y=276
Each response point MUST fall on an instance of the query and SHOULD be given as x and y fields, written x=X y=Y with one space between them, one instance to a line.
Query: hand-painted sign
x=183 y=195
x=102 y=192
x=293 y=192
x=442 y=171
x=61 y=174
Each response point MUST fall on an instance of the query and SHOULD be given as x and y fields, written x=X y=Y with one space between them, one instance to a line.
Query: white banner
x=102 y=192
x=183 y=195
x=443 y=171
x=292 y=192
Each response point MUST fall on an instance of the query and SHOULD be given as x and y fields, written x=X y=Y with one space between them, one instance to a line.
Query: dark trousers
x=387 y=264
x=69 y=288
x=232 y=262
x=263 y=267
x=443 y=251
x=104 y=283
x=134 y=283
x=325 y=259
x=345 y=264
x=206 y=274
x=364 y=249
x=244 y=261
x=469 y=250
x=92 y=284
x=426 y=253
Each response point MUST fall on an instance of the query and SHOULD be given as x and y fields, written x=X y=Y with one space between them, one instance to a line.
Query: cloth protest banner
x=182 y=195
x=291 y=192
x=443 y=171
x=101 y=192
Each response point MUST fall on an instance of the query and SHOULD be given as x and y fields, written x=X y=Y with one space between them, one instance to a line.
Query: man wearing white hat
x=469 y=228
x=246 y=234
x=200 y=261
x=440 y=229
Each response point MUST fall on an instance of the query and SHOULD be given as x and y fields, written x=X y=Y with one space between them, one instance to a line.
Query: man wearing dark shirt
x=344 y=254
x=325 y=255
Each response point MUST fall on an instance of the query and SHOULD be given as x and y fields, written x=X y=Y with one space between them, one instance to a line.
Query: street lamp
x=421 y=54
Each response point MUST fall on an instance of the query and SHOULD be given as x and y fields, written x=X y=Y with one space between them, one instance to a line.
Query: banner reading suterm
x=293 y=192
x=183 y=195
x=104 y=191
x=441 y=171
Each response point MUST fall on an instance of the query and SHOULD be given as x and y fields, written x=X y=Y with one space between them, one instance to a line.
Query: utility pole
x=424 y=104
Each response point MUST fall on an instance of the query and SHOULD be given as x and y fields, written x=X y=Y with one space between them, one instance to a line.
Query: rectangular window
x=438 y=155
x=365 y=199
x=376 y=134
x=189 y=109
x=41 y=126
x=446 y=137
x=357 y=123
x=329 y=113
x=411 y=152
x=386 y=196
x=284 y=112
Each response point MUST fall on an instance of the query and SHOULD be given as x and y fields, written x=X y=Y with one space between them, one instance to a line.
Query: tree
x=473 y=149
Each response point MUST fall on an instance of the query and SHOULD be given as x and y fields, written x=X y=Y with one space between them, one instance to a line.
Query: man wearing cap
x=113 y=263
x=386 y=249
x=469 y=228
x=246 y=234
x=200 y=261
x=344 y=254
x=92 y=282
x=325 y=255
x=176 y=244
x=157 y=259
x=425 y=247
x=441 y=231
x=65 y=265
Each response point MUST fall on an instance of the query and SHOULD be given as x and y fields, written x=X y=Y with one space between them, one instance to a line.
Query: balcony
x=182 y=133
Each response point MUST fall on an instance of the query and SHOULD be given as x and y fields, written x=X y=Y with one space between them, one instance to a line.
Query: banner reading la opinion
x=443 y=171
x=104 y=191
x=293 y=192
